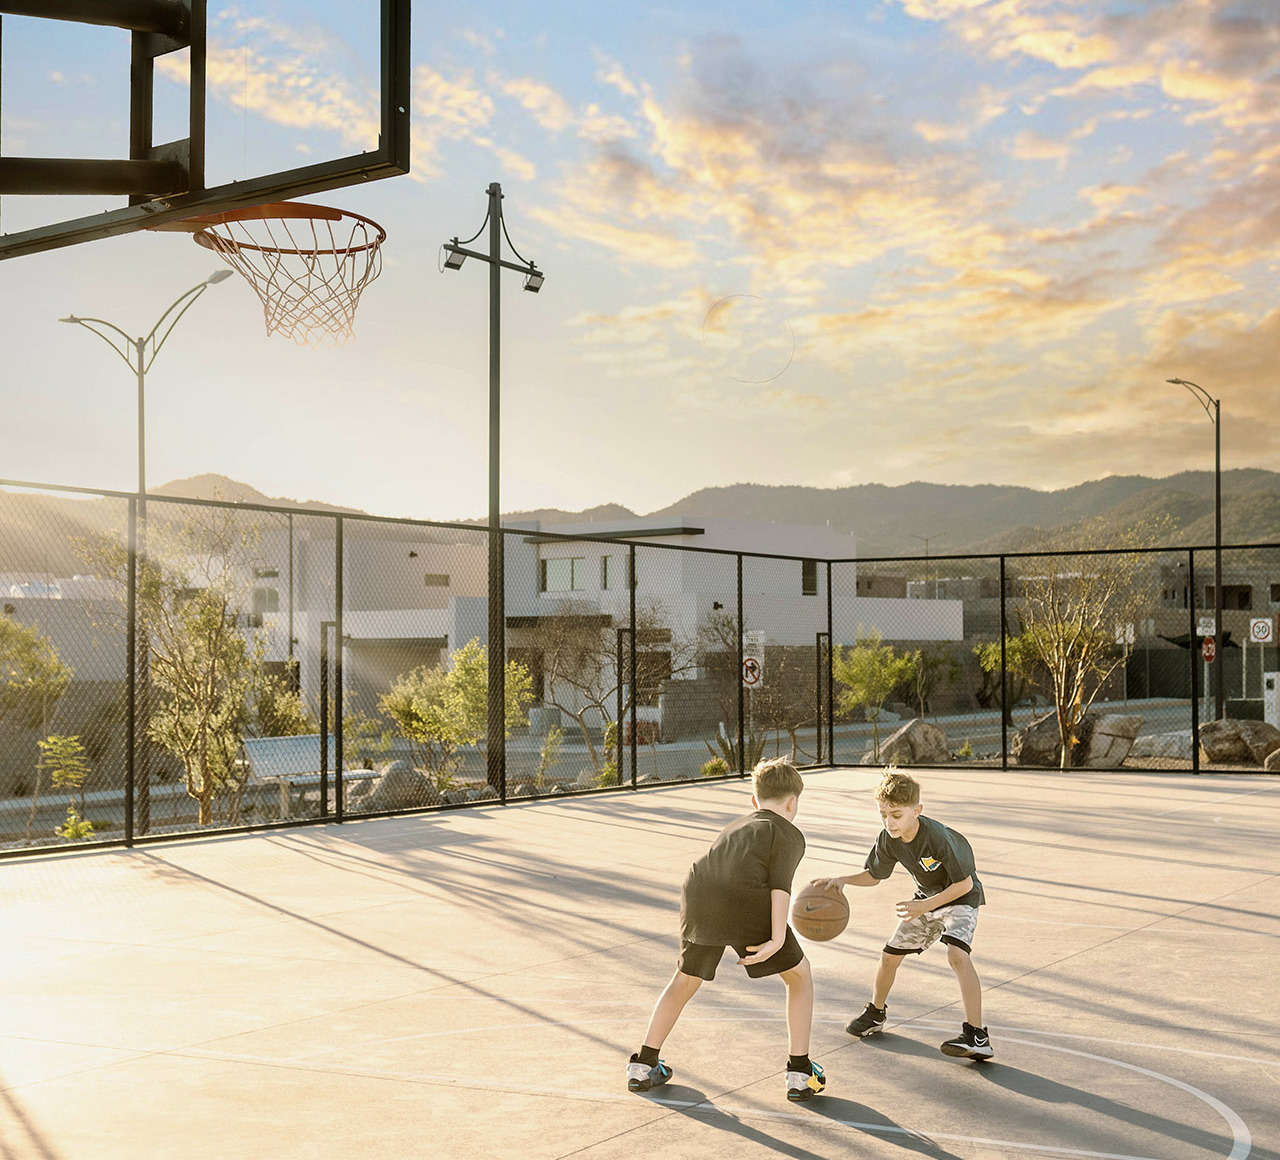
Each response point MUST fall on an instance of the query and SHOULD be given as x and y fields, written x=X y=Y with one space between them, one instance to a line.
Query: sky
x=813 y=242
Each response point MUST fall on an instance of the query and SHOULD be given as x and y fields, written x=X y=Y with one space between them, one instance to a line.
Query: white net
x=308 y=264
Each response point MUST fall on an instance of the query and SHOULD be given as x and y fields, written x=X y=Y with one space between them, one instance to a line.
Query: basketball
x=819 y=913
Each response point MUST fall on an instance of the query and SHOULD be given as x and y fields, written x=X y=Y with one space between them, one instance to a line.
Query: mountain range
x=888 y=521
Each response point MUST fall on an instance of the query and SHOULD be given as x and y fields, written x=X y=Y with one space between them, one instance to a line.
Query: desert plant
x=551 y=745
x=716 y=767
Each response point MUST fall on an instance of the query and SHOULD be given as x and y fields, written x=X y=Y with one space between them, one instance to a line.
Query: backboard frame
x=389 y=159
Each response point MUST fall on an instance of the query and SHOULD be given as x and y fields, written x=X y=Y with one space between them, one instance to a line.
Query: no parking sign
x=753 y=660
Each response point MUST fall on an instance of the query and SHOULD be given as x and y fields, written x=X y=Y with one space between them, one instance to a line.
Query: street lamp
x=1215 y=417
x=455 y=253
x=926 y=540
x=139 y=354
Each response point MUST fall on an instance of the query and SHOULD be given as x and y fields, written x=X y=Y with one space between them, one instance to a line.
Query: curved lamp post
x=1212 y=408
x=139 y=354
x=455 y=253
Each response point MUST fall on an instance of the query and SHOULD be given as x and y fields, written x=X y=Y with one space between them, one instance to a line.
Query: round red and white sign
x=1209 y=649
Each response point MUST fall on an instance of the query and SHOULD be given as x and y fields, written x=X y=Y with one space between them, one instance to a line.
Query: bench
x=292 y=764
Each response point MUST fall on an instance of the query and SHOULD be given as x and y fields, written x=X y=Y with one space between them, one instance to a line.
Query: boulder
x=486 y=793
x=1038 y=743
x=1176 y=745
x=1103 y=741
x=1110 y=740
x=916 y=743
x=399 y=787
x=1237 y=742
x=1272 y=763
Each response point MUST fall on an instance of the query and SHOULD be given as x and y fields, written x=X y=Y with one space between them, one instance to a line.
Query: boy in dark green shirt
x=737 y=895
x=945 y=907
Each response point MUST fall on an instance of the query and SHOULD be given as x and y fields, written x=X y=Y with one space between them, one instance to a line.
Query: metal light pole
x=926 y=540
x=139 y=354
x=1215 y=417
x=455 y=254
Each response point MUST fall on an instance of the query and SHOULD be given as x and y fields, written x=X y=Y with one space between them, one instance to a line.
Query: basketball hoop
x=308 y=264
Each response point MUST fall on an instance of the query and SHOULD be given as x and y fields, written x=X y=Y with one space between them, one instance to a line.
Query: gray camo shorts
x=955 y=925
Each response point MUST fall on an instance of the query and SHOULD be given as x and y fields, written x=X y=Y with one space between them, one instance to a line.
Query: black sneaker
x=870 y=1022
x=972 y=1043
x=642 y=1078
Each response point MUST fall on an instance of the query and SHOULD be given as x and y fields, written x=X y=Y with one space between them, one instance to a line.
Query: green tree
x=1069 y=607
x=932 y=667
x=440 y=713
x=869 y=672
x=67 y=764
x=193 y=588
x=276 y=709
x=32 y=678
x=1020 y=661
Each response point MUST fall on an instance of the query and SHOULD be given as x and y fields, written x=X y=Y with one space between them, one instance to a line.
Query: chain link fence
x=175 y=666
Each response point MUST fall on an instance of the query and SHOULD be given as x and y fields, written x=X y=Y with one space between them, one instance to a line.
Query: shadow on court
x=468 y=986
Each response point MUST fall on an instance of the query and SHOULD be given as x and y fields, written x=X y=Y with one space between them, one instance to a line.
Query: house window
x=265 y=600
x=1275 y=593
x=265 y=573
x=436 y=580
x=562 y=574
x=613 y=571
x=808 y=577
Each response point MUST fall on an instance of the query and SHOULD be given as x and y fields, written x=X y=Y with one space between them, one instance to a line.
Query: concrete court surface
x=468 y=985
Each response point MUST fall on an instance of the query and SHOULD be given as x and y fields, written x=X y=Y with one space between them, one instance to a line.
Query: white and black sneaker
x=972 y=1043
x=642 y=1078
x=802 y=1086
x=870 y=1022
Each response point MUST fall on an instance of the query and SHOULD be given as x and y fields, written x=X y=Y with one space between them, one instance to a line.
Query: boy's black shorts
x=701 y=960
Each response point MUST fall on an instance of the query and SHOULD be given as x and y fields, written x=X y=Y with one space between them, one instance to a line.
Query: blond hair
x=898 y=789
x=776 y=780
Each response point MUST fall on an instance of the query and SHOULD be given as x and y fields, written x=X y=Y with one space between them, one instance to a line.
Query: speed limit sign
x=1261 y=630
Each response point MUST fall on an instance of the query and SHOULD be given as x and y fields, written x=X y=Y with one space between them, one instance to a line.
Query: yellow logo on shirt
x=930 y=864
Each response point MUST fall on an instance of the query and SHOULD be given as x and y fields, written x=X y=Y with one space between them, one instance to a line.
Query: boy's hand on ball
x=760 y=953
x=836 y=883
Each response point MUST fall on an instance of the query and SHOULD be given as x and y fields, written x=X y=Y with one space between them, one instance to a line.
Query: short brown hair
x=898 y=789
x=776 y=780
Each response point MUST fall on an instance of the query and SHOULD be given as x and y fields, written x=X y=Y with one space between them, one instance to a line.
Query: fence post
x=817 y=694
x=635 y=700
x=325 y=625
x=831 y=687
x=131 y=672
x=742 y=754
x=1194 y=659
x=1004 y=676
x=338 y=564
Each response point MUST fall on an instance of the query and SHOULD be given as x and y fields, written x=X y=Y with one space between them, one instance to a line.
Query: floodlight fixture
x=454 y=256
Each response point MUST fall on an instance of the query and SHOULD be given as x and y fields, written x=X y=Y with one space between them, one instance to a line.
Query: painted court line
x=707 y=1106
x=1241 y=1142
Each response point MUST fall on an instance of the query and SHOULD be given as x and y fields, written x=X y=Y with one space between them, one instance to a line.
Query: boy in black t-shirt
x=945 y=906
x=738 y=894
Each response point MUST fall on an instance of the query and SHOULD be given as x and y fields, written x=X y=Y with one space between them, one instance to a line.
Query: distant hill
x=37 y=532
x=958 y=520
